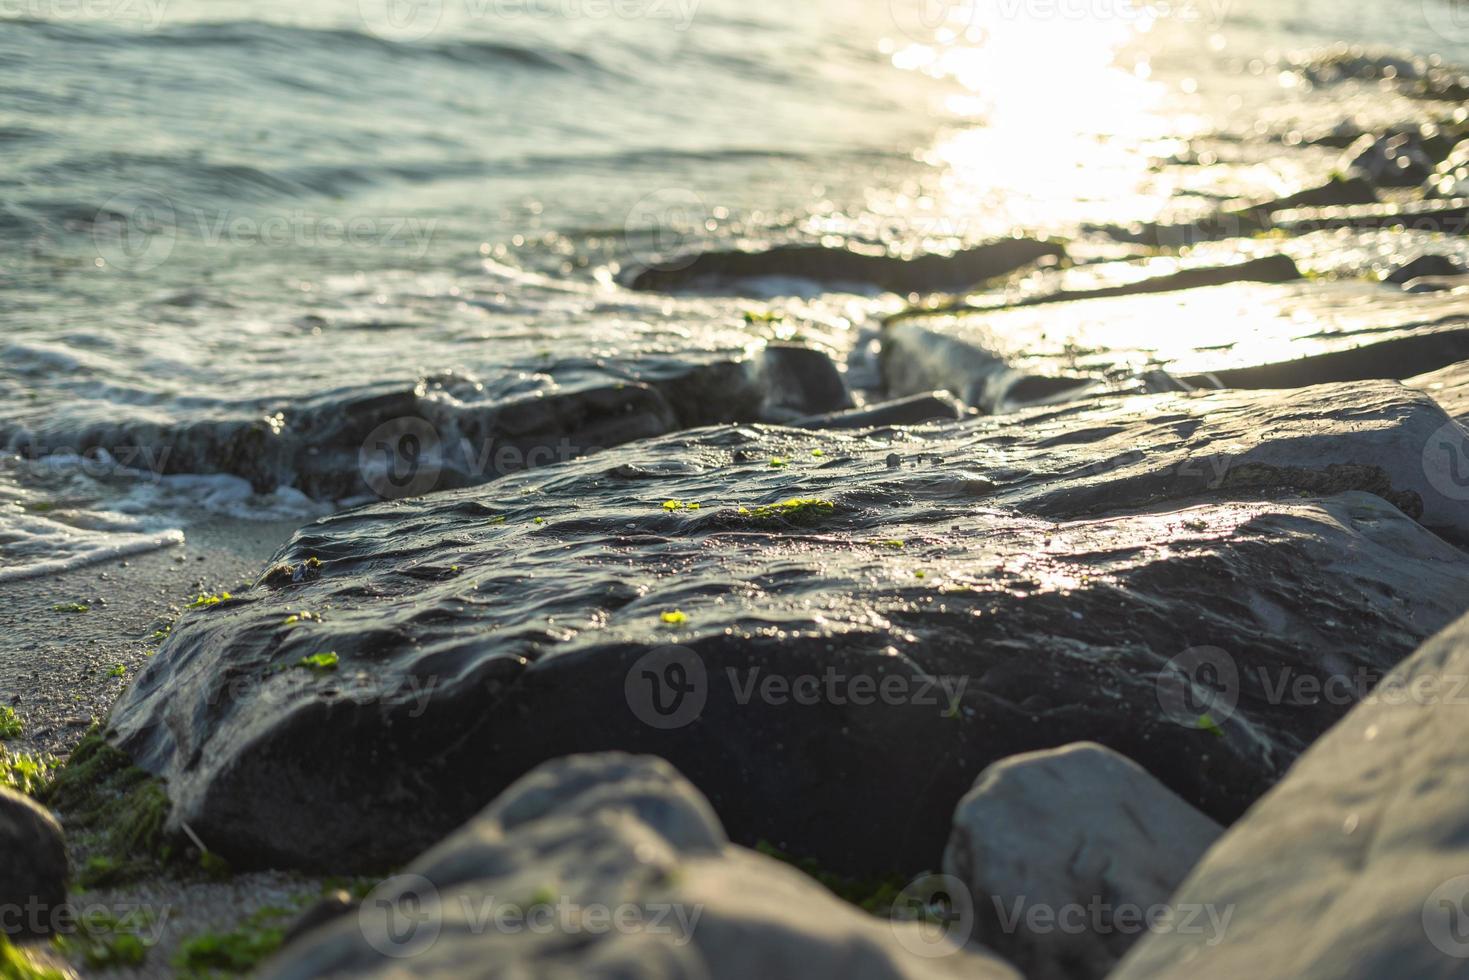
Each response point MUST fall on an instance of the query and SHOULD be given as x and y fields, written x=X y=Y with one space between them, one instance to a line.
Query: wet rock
x=1447 y=217
x=800 y=381
x=1049 y=564
x=1297 y=335
x=611 y=865
x=33 y=864
x=1336 y=192
x=1425 y=264
x=396 y=439
x=850 y=266
x=1394 y=160
x=1269 y=269
x=1078 y=832
x=933 y=406
x=1353 y=867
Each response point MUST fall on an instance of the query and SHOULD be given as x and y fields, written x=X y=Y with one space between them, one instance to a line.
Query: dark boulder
x=972 y=590
x=33 y=865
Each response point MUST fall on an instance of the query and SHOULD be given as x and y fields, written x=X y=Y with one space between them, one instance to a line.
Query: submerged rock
x=713 y=271
x=33 y=866
x=1082 y=834
x=611 y=865
x=1354 y=866
x=961 y=592
x=1425 y=264
x=1232 y=336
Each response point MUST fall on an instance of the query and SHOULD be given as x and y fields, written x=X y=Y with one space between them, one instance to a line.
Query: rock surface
x=1044 y=567
x=1079 y=833
x=1426 y=264
x=1449 y=387
x=850 y=266
x=33 y=864
x=1232 y=336
x=1446 y=217
x=1354 y=866
x=614 y=865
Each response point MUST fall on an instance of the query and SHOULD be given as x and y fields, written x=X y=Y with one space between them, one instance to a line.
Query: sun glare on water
x=1055 y=113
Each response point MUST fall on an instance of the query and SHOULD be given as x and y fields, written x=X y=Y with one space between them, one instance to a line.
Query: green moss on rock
x=122 y=810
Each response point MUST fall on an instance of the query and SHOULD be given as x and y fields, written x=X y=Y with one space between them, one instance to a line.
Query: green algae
x=794 y=509
x=105 y=943
x=209 y=601
x=15 y=964
x=779 y=462
x=120 y=811
x=240 y=951
x=319 y=663
x=118 y=670
x=24 y=773
x=295 y=619
x=71 y=607
x=10 y=724
x=674 y=505
x=675 y=617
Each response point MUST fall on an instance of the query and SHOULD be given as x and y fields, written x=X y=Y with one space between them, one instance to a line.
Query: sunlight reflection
x=1056 y=110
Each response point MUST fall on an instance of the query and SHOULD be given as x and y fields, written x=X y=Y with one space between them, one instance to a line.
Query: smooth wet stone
x=1231 y=336
x=616 y=867
x=1086 y=837
x=1052 y=563
x=801 y=381
x=33 y=863
x=850 y=266
x=1354 y=867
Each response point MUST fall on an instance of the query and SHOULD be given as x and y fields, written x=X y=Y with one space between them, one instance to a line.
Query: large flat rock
x=1239 y=335
x=1017 y=584
x=1355 y=865
x=614 y=866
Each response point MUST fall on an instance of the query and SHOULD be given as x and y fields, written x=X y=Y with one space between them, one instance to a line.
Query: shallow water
x=211 y=214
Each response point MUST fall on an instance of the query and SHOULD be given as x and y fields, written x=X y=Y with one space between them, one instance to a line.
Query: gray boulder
x=1354 y=867
x=33 y=864
x=614 y=866
x=1016 y=584
x=1067 y=852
